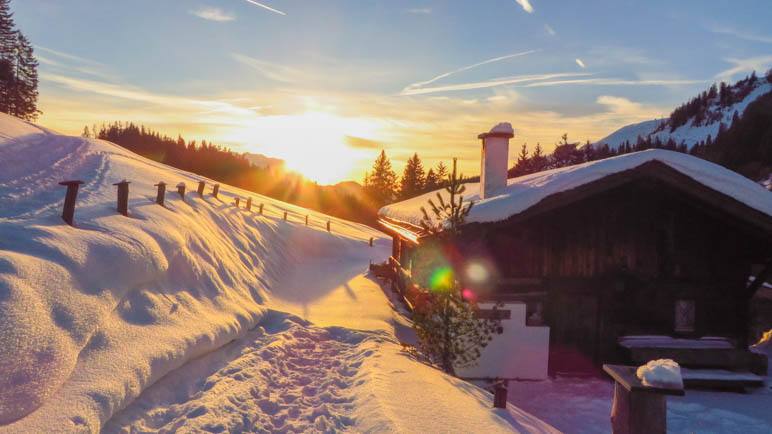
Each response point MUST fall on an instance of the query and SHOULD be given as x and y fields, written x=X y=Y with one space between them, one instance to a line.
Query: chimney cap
x=503 y=129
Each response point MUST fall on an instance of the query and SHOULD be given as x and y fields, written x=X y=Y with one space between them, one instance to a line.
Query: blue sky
x=315 y=78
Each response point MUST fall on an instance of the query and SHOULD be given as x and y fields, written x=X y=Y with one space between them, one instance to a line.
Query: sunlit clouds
x=745 y=66
x=526 y=5
x=213 y=14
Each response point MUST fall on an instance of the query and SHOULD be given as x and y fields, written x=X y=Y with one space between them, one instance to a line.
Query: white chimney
x=495 y=159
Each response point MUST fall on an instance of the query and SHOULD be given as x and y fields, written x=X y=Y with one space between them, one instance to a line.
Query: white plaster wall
x=494 y=161
x=519 y=352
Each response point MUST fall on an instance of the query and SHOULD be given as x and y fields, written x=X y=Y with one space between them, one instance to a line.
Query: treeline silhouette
x=345 y=200
x=18 y=69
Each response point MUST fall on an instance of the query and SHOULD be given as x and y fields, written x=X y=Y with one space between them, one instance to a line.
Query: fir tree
x=383 y=181
x=523 y=164
x=450 y=332
x=18 y=69
x=442 y=173
x=413 y=178
x=432 y=181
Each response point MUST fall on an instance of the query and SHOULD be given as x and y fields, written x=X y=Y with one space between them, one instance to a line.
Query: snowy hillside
x=694 y=130
x=197 y=315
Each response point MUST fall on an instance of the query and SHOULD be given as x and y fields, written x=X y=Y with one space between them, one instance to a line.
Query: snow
x=643 y=341
x=526 y=191
x=502 y=128
x=197 y=315
x=630 y=133
x=583 y=405
x=718 y=374
x=660 y=373
x=689 y=133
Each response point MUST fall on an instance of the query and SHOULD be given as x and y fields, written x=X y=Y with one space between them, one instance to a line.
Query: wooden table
x=637 y=408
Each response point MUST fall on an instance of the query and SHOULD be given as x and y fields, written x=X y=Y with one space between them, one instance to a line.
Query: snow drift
x=182 y=296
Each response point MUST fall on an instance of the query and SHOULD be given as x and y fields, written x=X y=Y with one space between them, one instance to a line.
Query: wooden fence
x=122 y=203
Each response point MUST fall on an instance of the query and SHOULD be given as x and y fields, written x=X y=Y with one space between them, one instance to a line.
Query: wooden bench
x=637 y=408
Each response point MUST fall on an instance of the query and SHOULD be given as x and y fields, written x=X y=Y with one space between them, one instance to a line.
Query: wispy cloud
x=213 y=14
x=526 y=5
x=613 y=82
x=270 y=70
x=258 y=4
x=488 y=83
x=419 y=11
x=550 y=31
x=67 y=56
x=131 y=93
x=759 y=64
x=748 y=36
x=415 y=87
x=59 y=60
x=580 y=63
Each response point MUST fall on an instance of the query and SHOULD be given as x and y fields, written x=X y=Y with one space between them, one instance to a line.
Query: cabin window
x=684 y=315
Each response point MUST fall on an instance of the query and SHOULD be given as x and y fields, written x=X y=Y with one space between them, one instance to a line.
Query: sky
x=327 y=84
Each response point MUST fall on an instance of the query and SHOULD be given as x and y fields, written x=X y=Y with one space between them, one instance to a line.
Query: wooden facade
x=643 y=252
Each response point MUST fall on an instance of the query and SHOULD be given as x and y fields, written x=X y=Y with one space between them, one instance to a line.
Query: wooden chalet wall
x=616 y=262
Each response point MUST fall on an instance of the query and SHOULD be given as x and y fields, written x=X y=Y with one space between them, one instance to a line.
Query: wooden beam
x=761 y=277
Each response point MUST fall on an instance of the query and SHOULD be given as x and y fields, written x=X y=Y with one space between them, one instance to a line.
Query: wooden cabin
x=641 y=255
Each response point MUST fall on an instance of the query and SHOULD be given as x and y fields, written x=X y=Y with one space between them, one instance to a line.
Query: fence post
x=371 y=241
x=216 y=190
x=123 y=197
x=500 y=394
x=261 y=209
x=285 y=216
x=201 y=186
x=161 y=195
x=328 y=226
x=181 y=190
x=237 y=201
x=68 y=212
x=249 y=204
x=306 y=220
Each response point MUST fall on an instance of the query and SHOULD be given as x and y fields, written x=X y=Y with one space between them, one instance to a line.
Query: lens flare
x=476 y=272
x=441 y=279
x=469 y=295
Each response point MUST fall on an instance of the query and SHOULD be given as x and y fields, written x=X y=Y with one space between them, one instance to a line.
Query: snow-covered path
x=283 y=376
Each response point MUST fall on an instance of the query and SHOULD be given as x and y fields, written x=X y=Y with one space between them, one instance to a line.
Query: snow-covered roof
x=524 y=192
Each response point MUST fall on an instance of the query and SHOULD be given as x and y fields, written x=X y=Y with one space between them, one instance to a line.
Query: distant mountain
x=264 y=162
x=697 y=120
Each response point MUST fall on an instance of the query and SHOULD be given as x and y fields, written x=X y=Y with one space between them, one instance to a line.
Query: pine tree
x=7 y=54
x=538 y=160
x=26 y=83
x=523 y=164
x=18 y=69
x=448 y=215
x=383 y=181
x=432 y=181
x=442 y=173
x=450 y=332
x=413 y=178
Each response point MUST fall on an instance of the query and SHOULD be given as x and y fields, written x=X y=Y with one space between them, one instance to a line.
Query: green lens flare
x=441 y=279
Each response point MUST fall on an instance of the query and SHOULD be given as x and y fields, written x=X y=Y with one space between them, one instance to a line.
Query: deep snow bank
x=93 y=314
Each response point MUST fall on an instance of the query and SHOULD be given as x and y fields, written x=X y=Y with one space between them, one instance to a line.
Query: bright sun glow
x=312 y=143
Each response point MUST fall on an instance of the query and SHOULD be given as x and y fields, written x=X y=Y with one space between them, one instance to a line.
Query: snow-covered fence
x=123 y=197
x=181 y=190
x=161 y=195
x=68 y=213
